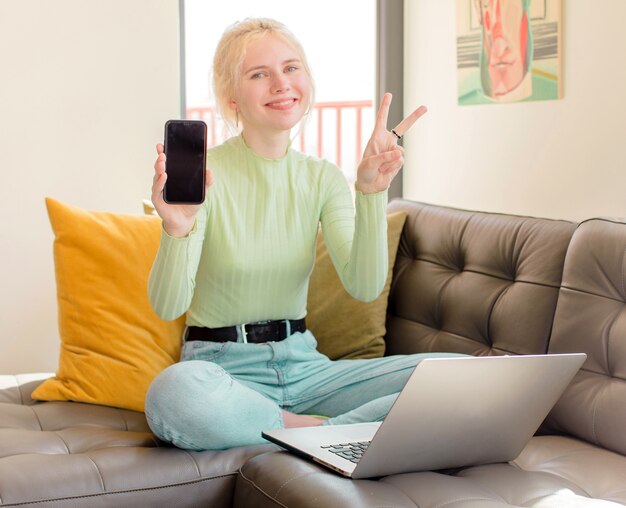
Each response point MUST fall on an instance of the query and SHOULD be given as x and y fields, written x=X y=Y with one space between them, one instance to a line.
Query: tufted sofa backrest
x=472 y=282
x=591 y=318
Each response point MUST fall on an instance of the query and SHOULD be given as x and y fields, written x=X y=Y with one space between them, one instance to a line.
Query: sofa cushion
x=344 y=326
x=74 y=454
x=591 y=318
x=599 y=472
x=112 y=342
x=551 y=472
x=17 y=389
x=474 y=283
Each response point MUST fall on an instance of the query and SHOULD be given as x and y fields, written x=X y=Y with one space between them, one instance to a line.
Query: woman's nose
x=280 y=84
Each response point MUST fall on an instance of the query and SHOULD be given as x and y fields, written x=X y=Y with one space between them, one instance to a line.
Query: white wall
x=85 y=88
x=562 y=159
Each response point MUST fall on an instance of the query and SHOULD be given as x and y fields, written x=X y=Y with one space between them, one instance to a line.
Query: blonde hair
x=231 y=52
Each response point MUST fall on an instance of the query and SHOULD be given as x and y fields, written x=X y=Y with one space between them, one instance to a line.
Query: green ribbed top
x=251 y=251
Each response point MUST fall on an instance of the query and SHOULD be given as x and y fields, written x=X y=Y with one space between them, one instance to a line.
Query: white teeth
x=283 y=103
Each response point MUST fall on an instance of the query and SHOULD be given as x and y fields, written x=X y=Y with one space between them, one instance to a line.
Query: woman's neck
x=268 y=145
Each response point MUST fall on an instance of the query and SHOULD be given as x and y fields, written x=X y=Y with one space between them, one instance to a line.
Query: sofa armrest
x=17 y=389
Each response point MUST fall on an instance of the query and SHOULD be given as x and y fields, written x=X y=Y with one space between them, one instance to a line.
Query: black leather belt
x=264 y=331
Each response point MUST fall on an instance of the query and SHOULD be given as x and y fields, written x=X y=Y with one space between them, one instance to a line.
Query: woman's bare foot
x=294 y=420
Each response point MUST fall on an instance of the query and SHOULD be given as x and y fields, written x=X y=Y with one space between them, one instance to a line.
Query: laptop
x=452 y=412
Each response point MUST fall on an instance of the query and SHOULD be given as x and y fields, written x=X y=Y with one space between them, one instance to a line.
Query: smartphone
x=185 y=151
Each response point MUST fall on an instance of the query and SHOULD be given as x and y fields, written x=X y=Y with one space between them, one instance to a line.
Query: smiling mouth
x=284 y=104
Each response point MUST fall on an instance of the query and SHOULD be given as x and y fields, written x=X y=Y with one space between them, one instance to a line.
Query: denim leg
x=197 y=405
x=355 y=391
x=373 y=411
x=377 y=408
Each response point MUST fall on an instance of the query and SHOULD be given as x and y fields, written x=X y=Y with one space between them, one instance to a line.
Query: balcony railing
x=334 y=131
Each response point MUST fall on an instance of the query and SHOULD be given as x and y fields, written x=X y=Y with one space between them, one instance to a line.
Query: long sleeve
x=357 y=242
x=172 y=279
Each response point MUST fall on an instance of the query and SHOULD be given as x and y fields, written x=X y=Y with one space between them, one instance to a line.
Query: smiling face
x=274 y=89
x=506 y=35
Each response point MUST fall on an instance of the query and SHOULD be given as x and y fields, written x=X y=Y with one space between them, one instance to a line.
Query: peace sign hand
x=383 y=158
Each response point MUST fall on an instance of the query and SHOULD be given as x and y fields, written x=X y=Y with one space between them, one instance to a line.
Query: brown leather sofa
x=469 y=282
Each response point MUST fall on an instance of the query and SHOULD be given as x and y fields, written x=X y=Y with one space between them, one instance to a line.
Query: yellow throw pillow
x=112 y=342
x=343 y=326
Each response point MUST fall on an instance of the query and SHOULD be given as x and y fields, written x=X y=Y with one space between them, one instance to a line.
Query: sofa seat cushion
x=76 y=454
x=599 y=472
x=552 y=471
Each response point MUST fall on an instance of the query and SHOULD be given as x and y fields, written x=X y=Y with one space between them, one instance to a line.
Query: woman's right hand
x=178 y=220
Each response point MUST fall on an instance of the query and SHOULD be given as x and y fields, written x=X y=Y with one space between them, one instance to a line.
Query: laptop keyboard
x=349 y=451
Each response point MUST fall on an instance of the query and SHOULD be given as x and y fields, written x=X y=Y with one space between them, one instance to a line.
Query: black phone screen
x=185 y=151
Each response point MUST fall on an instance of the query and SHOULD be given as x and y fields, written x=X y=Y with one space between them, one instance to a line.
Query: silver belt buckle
x=243 y=333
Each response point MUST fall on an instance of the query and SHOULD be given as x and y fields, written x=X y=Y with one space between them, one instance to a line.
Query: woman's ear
x=233 y=106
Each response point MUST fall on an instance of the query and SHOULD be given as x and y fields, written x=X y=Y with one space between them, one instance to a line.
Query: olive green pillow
x=344 y=326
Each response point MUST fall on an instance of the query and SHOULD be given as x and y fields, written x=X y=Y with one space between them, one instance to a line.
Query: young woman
x=239 y=264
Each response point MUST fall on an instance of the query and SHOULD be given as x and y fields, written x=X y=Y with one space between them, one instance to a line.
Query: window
x=339 y=39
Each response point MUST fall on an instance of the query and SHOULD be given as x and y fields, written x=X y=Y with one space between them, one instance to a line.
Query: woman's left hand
x=383 y=158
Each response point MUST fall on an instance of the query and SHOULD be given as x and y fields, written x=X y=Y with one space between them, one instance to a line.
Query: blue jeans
x=222 y=395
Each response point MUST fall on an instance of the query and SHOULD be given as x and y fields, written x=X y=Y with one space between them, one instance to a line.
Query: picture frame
x=509 y=51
